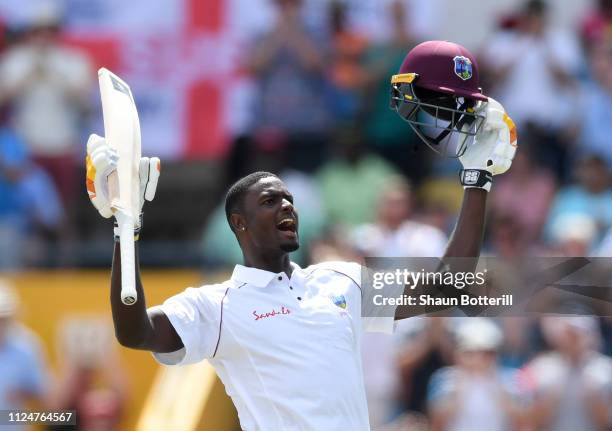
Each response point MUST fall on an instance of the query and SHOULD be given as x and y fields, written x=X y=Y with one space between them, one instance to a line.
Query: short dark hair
x=234 y=198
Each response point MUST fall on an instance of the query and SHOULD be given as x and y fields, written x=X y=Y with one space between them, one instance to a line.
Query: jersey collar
x=256 y=277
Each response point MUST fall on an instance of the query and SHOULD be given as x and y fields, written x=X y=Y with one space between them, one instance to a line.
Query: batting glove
x=493 y=148
x=101 y=161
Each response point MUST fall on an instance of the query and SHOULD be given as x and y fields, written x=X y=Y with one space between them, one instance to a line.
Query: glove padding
x=101 y=161
x=494 y=146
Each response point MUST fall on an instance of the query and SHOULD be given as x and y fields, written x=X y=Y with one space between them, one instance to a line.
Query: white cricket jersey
x=287 y=350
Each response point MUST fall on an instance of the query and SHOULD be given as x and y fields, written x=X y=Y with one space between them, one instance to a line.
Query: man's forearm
x=466 y=239
x=463 y=249
x=132 y=325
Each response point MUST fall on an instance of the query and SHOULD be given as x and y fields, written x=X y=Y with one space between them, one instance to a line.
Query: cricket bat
x=122 y=132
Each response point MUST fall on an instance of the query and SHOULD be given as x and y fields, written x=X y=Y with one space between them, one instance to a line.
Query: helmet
x=437 y=93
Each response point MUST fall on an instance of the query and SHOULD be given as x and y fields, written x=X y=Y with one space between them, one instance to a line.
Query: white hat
x=24 y=15
x=8 y=300
x=574 y=227
x=478 y=333
x=554 y=325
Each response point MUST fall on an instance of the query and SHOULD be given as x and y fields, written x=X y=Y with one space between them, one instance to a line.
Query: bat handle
x=125 y=223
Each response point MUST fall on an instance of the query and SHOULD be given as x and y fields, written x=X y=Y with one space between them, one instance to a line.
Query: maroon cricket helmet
x=437 y=88
x=446 y=67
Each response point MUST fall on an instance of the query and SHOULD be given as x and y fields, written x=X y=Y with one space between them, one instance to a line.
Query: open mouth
x=287 y=225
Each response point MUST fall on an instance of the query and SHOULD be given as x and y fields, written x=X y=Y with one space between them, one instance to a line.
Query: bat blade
x=122 y=132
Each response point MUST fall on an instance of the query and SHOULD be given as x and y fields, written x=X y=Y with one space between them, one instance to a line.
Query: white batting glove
x=493 y=148
x=101 y=161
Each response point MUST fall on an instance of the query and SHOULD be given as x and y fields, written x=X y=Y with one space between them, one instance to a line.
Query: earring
x=243 y=228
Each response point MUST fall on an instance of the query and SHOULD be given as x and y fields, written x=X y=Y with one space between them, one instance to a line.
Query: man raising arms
x=285 y=340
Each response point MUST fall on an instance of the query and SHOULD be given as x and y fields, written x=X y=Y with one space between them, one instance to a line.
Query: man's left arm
x=490 y=154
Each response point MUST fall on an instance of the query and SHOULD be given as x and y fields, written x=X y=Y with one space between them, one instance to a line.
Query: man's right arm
x=135 y=327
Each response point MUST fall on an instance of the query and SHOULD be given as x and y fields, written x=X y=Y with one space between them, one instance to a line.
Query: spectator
x=573 y=381
x=29 y=204
x=573 y=235
x=381 y=369
x=525 y=183
x=91 y=379
x=506 y=239
x=347 y=74
x=590 y=196
x=595 y=107
x=288 y=67
x=23 y=372
x=394 y=233
x=420 y=356
x=546 y=56
x=393 y=139
x=533 y=66
x=351 y=183
x=597 y=23
x=519 y=341
x=440 y=198
x=377 y=20
x=48 y=87
x=475 y=394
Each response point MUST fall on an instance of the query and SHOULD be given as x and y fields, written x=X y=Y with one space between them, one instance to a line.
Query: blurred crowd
x=433 y=373
x=479 y=374
x=364 y=186
x=320 y=118
x=89 y=379
x=45 y=92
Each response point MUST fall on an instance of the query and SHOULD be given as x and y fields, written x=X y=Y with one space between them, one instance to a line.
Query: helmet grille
x=446 y=123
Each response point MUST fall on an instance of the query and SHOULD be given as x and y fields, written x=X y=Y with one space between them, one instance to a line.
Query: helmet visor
x=446 y=123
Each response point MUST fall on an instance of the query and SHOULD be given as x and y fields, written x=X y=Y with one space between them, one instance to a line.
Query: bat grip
x=125 y=223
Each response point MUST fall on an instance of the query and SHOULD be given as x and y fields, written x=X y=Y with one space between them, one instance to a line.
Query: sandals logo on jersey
x=463 y=67
x=339 y=300
x=273 y=313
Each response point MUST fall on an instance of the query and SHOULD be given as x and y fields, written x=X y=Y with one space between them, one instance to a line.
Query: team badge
x=463 y=67
x=339 y=300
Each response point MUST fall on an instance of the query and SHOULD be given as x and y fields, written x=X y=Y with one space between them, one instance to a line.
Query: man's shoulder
x=208 y=292
x=349 y=269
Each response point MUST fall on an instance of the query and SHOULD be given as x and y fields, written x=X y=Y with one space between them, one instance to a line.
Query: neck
x=279 y=263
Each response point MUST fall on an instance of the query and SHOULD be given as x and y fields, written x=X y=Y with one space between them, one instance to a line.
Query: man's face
x=271 y=220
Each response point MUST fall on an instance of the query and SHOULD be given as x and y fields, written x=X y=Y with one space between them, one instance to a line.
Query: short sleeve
x=376 y=317
x=195 y=314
